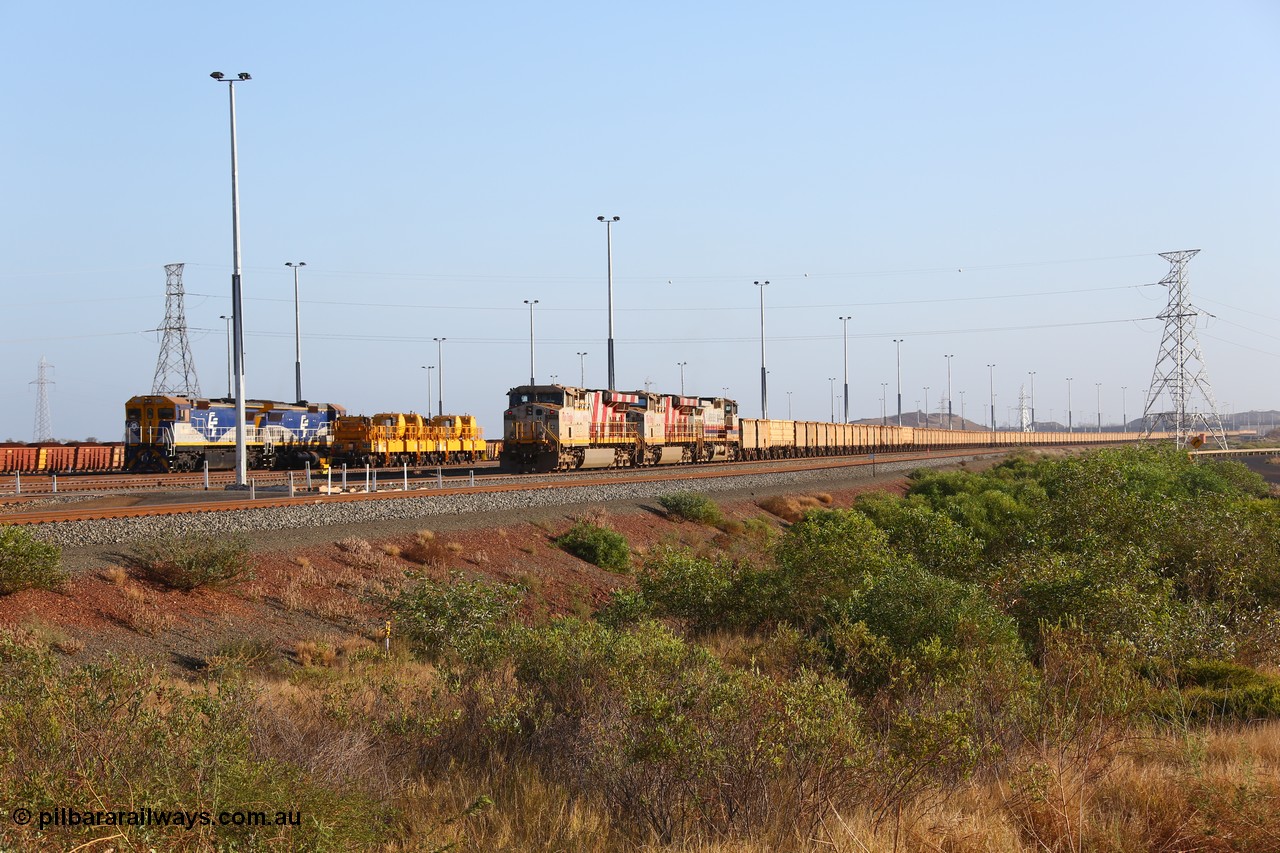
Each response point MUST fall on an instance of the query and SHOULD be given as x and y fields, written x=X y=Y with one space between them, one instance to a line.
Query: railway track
x=492 y=484
x=44 y=485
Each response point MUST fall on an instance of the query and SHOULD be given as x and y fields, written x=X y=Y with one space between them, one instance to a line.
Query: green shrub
x=624 y=608
x=192 y=560
x=706 y=593
x=597 y=545
x=828 y=554
x=28 y=563
x=692 y=507
x=463 y=618
x=933 y=539
x=679 y=745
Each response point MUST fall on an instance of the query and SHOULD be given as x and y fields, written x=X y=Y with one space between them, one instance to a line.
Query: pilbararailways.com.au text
x=65 y=817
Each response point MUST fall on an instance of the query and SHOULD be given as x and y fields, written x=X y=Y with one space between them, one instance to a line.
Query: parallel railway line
x=493 y=483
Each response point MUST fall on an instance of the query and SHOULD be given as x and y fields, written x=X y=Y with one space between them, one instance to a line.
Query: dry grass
x=115 y=575
x=391 y=550
x=142 y=613
x=789 y=507
x=313 y=653
x=429 y=550
x=291 y=596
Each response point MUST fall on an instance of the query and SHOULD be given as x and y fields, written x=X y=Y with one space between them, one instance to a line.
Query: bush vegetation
x=192 y=560
x=597 y=545
x=1025 y=658
x=28 y=563
x=689 y=506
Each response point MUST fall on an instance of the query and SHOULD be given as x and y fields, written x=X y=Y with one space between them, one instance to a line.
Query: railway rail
x=493 y=484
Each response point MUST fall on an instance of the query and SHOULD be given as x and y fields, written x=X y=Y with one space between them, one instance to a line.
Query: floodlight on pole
x=844 y=321
x=992 y=386
x=681 y=365
x=764 y=374
x=237 y=299
x=297 y=330
x=898 y=343
x=428 y=368
x=1069 y=426
x=532 y=372
x=582 y=369
x=439 y=375
x=950 y=421
x=230 y=388
x=1098 y=386
x=608 y=229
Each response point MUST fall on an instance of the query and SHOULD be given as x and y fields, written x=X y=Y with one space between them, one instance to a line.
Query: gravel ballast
x=322 y=514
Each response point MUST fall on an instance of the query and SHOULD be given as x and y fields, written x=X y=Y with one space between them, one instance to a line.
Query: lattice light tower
x=1180 y=377
x=175 y=369
x=44 y=422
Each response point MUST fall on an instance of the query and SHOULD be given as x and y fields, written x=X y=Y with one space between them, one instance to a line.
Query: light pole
x=582 y=369
x=926 y=405
x=1124 y=407
x=832 y=380
x=950 y=420
x=764 y=374
x=1098 y=386
x=681 y=364
x=297 y=330
x=1032 y=374
x=1069 y=426
x=439 y=375
x=898 y=342
x=844 y=321
x=532 y=372
x=227 y=317
x=608 y=232
x=884 y=393
x=237 y=301
x=962 y=407
x=992 y=386
x=428 y=368
x=788 y=405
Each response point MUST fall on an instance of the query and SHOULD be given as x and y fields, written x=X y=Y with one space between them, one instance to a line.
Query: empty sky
x=988 y=180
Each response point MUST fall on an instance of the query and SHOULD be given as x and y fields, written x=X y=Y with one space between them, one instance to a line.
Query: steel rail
x=67 y=514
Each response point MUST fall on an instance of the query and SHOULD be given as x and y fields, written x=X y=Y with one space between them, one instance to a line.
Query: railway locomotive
x=175 y=433
x=406 y=439
x=165 y=432
x=559 y=427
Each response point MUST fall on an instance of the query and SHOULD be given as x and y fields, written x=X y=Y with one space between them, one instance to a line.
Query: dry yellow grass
x=141 y=613
x=115 y=575
x=789 y=507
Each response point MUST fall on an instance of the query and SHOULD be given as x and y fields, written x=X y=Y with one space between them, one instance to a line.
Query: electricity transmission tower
x=44 y=423
x=1180 y=374
x=175 y=369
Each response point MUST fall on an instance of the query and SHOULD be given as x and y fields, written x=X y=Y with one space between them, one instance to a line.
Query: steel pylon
x=175 y=368
x=1180 y=380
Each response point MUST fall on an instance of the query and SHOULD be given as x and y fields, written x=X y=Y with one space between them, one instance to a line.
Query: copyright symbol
x=21 y=816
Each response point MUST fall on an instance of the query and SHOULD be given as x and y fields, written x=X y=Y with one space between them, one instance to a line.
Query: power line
x=716 y=308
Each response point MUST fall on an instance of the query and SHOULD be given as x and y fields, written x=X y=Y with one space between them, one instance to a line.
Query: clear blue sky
x=436 y=164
